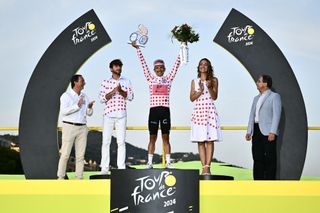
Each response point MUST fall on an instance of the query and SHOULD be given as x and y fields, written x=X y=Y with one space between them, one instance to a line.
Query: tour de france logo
x=153 y=188
x=83 y=33
x=242 y=34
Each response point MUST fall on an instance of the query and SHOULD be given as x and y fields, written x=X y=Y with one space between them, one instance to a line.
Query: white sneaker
x=149 y=166
x=103 y=172
x=169 y=166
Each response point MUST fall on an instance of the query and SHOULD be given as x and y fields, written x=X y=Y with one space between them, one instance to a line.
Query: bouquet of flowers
x=184 y=33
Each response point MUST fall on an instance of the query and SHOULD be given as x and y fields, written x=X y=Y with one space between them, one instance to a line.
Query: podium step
x=94 y=177
x=215 y=177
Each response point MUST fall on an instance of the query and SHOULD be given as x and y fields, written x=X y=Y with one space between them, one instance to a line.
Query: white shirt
x=70 y=110
x=258 y=106
x=116 y=106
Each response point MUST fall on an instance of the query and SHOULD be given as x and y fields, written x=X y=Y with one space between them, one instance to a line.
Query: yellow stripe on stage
x=212 y=188
x=260 y=188
x=55 y=187
x=40 y=196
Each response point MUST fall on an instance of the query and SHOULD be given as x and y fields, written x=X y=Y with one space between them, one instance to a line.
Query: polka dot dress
x=205 y=123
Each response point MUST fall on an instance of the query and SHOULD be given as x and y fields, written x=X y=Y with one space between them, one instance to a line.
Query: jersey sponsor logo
x=159 y=89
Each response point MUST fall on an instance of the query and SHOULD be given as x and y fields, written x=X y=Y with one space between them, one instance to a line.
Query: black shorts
x=159 y=115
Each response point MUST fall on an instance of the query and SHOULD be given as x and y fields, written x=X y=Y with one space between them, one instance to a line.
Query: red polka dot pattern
x=158 y=100
x=116 y=106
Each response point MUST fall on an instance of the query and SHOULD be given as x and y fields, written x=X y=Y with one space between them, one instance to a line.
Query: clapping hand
x=80 y=102
x=209 y=83
x=201 y=86
x=119 y=89
x=212 y=83
x=90 y=105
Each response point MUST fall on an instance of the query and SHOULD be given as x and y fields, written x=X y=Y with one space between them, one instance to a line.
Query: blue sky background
x=29 y=27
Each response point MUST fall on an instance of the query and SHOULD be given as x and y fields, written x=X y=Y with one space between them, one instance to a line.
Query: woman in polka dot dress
x=205 y=124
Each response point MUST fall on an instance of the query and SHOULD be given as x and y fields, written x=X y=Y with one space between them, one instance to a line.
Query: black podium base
x=215 y=177
x=94 y=177
x=155 y=190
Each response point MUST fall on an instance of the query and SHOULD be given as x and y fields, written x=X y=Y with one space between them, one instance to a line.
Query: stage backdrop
x=238 y=34
x=260 y=55
x=40 y=107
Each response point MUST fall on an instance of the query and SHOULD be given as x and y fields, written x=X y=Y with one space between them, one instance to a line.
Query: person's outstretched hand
x=90 y=105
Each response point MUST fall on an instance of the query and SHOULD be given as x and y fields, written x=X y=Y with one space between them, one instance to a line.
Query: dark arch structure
x=40 y=107
x=260 y=55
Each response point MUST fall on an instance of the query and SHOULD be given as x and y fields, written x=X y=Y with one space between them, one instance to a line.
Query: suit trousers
x=264 y=155
x=120 y=124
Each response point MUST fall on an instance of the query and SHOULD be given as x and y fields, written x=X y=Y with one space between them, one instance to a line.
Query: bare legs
x=152 y=144
x=206 y=153
x=166 y=144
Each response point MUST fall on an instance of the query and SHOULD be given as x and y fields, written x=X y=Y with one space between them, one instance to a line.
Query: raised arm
x=174 y=69
x=145 y=68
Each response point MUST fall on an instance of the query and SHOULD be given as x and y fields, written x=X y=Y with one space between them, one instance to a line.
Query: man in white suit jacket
x=263 y=129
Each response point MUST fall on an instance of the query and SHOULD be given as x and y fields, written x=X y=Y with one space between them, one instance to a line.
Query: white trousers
x=120 y=124
x=72 y=135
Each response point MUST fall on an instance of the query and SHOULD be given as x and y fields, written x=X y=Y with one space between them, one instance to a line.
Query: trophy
x=140 y=37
